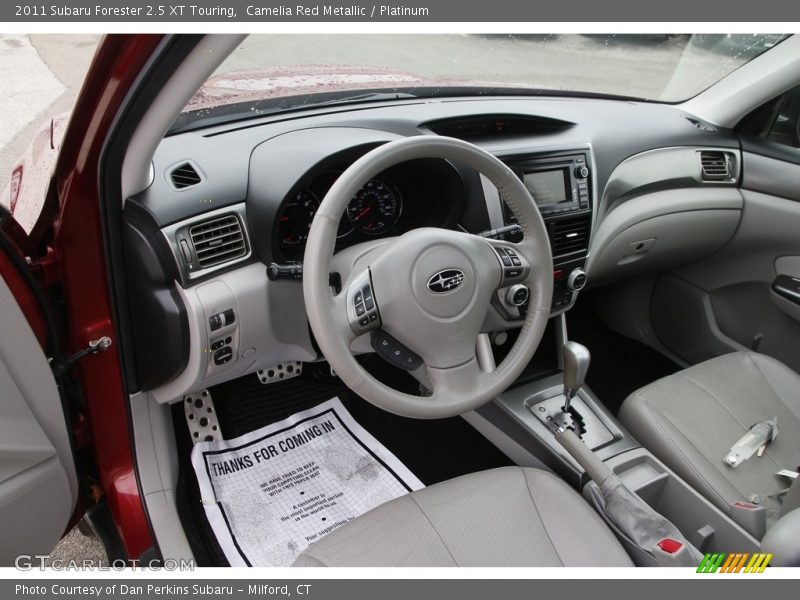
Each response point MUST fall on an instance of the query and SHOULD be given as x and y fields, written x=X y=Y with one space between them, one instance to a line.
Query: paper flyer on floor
x=271 y=493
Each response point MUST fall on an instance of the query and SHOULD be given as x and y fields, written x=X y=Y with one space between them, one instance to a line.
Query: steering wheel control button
x=362 y=308
x=394 y=352
x=511 y=261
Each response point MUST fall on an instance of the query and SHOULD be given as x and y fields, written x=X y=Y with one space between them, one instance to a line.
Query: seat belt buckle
x=750 y=517
x=669 y=552
x=754 y=441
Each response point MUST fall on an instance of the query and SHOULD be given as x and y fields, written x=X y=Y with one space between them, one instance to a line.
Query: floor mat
x=620 y=365
x=434 y=450
x=272 y=492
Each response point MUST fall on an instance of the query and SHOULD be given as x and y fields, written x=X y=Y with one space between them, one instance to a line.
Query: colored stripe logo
x=736 y=562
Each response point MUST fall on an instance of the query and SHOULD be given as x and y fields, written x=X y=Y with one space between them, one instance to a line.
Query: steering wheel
x=430 y=288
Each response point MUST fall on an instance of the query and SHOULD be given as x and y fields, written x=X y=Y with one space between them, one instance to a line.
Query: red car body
x=70 y=255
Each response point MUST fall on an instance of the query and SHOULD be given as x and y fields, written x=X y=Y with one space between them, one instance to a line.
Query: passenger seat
x=692 y=418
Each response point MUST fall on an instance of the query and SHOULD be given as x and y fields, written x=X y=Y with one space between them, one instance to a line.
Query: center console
x=533 y=414
x=561 y=183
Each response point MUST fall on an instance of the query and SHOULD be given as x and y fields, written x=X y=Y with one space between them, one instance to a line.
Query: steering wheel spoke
x=454 y=383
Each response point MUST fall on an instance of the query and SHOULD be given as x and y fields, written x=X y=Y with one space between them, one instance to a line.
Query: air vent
x=184 y=176
x=218 y=241
x=702 y=125
x=715 y=165
x=569 y=236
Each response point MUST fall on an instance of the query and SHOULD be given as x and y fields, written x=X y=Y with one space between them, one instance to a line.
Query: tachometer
x=376 y=207
x=295 y=219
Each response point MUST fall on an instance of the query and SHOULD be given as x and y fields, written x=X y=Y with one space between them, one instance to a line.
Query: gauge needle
x=282 y=219
x=363 y=213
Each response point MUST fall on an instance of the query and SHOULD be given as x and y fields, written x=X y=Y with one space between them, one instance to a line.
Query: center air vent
x=218 y=240
x=715 y=165
x=184 y=176
x=569 y=236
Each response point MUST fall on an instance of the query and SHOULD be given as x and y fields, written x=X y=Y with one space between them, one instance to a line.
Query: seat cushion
x=691 y=419
x=502 y=517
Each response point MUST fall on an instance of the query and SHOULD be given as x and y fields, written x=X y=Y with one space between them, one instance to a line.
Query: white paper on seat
x=270 y=493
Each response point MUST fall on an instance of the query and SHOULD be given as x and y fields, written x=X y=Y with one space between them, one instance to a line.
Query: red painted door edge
x=78 y=245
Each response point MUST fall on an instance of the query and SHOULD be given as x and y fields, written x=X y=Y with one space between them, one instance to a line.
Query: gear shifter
x=576 y=364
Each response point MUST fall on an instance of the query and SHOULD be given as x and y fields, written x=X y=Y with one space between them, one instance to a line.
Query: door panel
x=38 y=486
x=734 y=286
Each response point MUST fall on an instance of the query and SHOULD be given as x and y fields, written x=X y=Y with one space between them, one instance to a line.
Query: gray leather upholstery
x=782 y=541
x=691 y=419
x=502 y=517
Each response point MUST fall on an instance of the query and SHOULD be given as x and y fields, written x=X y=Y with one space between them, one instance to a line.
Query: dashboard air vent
x=715 y=165
x=569 y=236
x=184 y=176
x=218 y=240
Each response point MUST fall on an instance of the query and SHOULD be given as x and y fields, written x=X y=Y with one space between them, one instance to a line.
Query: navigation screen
x=546 y=187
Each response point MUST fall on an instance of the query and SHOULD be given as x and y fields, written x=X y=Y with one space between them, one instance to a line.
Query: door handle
x=787 y=287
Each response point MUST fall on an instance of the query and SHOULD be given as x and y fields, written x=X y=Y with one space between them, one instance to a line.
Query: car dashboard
x=215 y=244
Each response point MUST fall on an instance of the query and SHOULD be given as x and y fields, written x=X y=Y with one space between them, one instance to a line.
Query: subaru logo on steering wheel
x=445 y=281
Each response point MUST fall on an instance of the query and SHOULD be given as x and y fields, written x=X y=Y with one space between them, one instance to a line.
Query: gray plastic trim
x=493 y=204
x=516 y=403
x=771 y=176
x=270 y=328
x=673 y=167
x=157 y=468
x=692 y=333
x=518 y=454
x=171 y=100
x=673 y=498
x=673 y=227
x=748 y=87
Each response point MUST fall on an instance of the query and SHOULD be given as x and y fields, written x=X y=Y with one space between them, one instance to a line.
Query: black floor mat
x=620 y=365
x=434 y=450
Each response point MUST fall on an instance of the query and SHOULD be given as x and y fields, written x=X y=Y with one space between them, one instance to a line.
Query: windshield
x=270 y=73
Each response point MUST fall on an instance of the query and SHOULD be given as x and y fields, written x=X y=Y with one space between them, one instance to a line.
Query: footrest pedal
x=280 y=372
x=201 y=417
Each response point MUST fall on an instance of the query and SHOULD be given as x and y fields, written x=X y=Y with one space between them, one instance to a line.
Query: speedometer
x=376 y=207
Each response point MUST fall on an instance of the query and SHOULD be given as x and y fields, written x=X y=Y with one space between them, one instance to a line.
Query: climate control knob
x=517 y=295
x=576 y=280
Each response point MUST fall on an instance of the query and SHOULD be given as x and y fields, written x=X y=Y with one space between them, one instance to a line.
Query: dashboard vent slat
x=569 y=236
x=184 y=176
x=715 y=166
x=218 y=240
